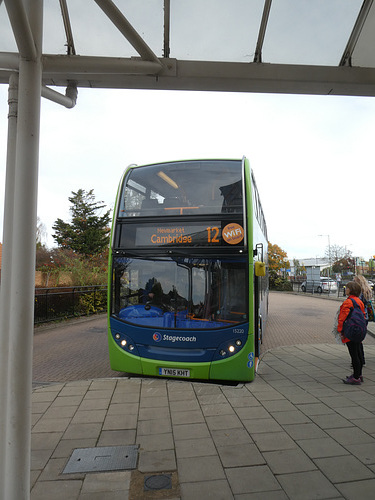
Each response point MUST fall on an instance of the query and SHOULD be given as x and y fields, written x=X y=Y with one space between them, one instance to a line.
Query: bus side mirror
x=260 y=268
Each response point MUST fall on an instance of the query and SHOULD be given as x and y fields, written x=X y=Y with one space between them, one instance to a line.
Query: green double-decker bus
x=188 y=273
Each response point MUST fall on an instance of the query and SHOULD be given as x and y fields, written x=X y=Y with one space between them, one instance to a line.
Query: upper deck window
x=183 y=188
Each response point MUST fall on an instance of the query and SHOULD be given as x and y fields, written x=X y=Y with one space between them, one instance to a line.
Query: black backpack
x=354 y=327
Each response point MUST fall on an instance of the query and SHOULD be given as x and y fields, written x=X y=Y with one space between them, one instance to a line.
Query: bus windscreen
x=187 y=188
x=185 y=293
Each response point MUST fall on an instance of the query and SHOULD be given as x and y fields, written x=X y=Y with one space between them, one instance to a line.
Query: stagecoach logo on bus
x=173 y=338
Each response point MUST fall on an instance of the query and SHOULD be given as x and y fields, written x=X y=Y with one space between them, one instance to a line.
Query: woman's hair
x=355 y=288
x=365 y=287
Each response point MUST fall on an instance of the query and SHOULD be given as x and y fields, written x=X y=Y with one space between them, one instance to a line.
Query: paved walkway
x=296 y=432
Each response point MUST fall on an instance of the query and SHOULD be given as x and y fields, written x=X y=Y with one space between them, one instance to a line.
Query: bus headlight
x=229 y=348
x=124 y=342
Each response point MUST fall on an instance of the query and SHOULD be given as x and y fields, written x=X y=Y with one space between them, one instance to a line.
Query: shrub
x=279 y=283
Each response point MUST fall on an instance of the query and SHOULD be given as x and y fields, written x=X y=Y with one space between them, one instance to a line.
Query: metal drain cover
x=102 y=459
x=158 y=482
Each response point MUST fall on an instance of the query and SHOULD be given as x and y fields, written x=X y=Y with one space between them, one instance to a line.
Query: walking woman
x=353 y=291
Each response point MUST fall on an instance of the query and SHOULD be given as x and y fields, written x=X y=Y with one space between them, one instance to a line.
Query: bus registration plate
x=174 y=372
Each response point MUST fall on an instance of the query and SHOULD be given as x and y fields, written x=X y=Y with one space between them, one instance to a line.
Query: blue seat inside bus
x=155 y=317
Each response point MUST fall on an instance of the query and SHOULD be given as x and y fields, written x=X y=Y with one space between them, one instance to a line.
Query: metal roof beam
x=346 y=59
x=132 y=73
x=68 y=27
x=123 y=25
x=167 y=18
x=21 y=29
x=88 y=65
x=210 y=76
x=262 y=31
x=9 y=61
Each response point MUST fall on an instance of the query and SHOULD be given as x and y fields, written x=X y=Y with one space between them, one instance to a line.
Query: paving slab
x=312 y=485
x=252 y=480
x=344 y=469
x=200 y=469
x=195 y=447
x=357 y=489
x=321 y=447
x=215 y=490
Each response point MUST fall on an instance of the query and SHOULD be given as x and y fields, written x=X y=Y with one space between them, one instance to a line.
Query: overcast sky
x=312 y=156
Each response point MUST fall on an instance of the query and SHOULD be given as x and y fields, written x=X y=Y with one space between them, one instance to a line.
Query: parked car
x=323 y=285
x=328 y=285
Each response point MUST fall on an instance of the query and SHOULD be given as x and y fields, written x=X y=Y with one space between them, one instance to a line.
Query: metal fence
x=68 y=302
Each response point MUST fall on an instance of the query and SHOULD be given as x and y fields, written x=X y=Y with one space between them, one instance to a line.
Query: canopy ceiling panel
x=309 y=46
x=309 y=32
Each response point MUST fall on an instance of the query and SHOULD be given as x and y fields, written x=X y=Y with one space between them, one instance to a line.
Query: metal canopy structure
x=308 y=47
x=321 y=47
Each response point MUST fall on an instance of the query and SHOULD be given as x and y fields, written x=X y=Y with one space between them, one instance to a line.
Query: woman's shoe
x=352 y=381
x=360 y=377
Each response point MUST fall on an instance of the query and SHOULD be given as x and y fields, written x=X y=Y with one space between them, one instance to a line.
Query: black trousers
x=356 y=354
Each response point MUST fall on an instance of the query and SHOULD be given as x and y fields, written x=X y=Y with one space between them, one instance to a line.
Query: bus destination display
x=188 y=235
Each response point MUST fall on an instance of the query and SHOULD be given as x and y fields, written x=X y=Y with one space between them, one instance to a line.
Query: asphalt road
x=77 y=350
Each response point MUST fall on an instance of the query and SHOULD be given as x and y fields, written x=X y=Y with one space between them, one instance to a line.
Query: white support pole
x=6 y=279
x=23 y=246
x=21 y=296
